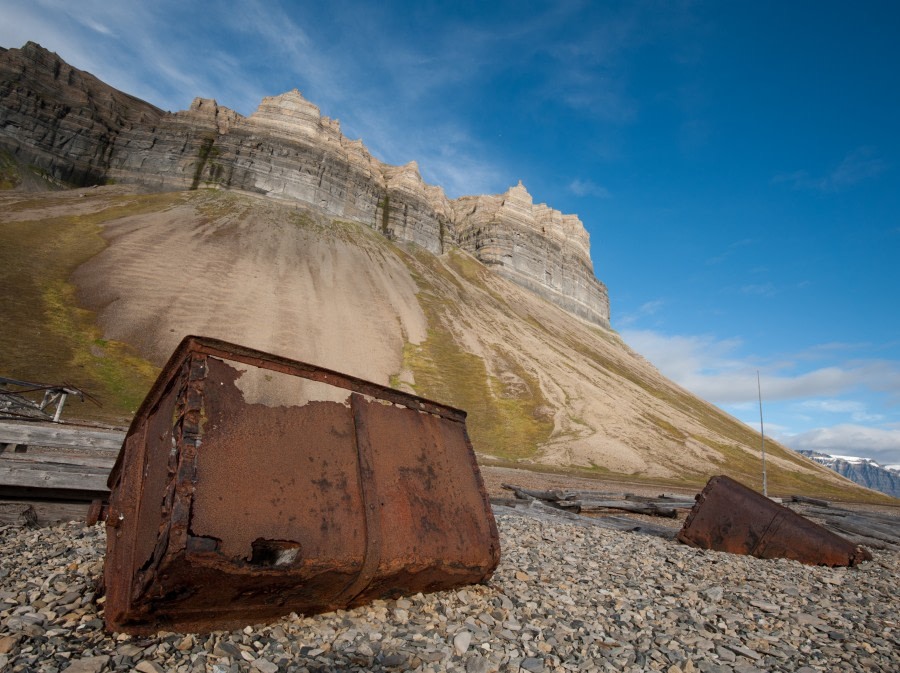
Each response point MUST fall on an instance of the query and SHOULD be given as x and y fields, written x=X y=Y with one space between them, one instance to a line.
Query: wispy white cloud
x=648 y=308
x=711 y=368
x=704 y=365
x=721 y=257
x=851 y=440
x=715 y=370
x=854 y=408
x=859 y=165
x=765 y=288
x=581 y=187
x=760 y=289
x=96 y=26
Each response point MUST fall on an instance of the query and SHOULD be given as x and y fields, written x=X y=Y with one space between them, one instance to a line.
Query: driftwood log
x=537 y=509
x=810 y=501
x=881 y=531
x=578 y=501
x=531 y=494
x=649 y=508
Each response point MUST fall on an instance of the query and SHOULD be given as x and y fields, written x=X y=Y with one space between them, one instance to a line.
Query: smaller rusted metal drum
x=250 y=486
x=732 y=518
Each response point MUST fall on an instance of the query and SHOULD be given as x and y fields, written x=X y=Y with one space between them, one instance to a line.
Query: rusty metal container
x=732 y=518
x=250 y=486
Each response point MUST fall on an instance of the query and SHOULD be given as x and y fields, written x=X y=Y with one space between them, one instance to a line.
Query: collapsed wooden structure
x=858 y=525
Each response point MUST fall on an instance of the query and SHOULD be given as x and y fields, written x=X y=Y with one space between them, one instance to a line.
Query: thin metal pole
x=762 y=435
x=59 y=407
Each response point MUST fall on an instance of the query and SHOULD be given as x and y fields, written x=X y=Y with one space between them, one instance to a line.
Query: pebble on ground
x=564 y=598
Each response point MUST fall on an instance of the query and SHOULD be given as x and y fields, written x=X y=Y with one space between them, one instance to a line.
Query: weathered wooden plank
x=676 y=497
x=575 y=494
x=856 y=538
x=57 y=482
x=626 y=506
x=17 y=514
x=893 y=519
x=506 y=502
x=60 y=436
x=847 y=528
x=867 y=527
x=550 y=515
x=528 y=493
x=41 y=512
x=98 y=462
x=676 y=504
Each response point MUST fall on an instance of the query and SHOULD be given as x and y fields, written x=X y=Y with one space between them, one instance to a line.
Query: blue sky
x=736 y=164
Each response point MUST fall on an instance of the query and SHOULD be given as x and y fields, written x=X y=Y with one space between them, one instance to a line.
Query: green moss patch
x=9 y=171
x=503 y=420
x=48 y=338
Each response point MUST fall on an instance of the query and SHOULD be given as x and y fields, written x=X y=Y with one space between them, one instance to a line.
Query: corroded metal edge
x=263 y=360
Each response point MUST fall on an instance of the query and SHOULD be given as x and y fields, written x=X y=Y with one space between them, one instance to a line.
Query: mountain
x=73 y=127
x=863 y=471
x=276 y=232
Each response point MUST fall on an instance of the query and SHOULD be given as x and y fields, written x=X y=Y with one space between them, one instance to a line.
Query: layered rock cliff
x=60 y=119
x=69 y=124
x=534 y=246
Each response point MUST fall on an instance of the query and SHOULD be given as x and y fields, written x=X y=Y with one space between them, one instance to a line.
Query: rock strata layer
x=78 y=129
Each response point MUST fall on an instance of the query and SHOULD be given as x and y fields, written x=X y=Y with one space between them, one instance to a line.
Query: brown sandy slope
x=540 y=386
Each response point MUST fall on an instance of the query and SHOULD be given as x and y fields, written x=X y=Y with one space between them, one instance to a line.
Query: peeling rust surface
x=259 y=466
x=225 y=513
x=732 y=518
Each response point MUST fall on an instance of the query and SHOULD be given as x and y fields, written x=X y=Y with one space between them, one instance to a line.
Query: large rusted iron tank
x=732 y=518
x=250 y=486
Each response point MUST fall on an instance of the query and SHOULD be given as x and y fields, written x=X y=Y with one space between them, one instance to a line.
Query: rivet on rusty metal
x=731 y=517
x=290 y=488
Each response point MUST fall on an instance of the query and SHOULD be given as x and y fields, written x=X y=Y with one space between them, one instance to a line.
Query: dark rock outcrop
x=79 y=130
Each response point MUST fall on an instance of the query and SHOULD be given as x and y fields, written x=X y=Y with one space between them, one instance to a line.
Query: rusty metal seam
x=767 y=535
x=143 y=579
x=191 y=430
x=368 y=495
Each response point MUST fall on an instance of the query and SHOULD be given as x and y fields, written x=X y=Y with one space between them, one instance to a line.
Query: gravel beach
x=564 y=598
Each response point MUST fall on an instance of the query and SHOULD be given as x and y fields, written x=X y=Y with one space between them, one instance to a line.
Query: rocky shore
x=563 y=599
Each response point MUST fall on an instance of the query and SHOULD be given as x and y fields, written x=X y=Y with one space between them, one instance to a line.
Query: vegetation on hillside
x=47 y=338
x=9 y=171
x=505 y=421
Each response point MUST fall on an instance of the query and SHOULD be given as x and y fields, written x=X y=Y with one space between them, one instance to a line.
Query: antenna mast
x=762 y=435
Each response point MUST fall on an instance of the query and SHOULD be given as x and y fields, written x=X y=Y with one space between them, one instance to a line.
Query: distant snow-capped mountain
x=863 y=471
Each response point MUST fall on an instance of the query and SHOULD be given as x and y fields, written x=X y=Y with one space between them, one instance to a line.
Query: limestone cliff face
x=82 y=131
x=285 y=149
x=534 y=246
x=62 y=120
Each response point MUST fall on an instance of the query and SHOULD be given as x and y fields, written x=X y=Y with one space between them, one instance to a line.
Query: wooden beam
x=58 y=482
x=41 y=512
x=67 y=460
x=60 y=436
